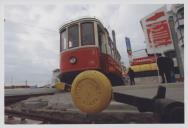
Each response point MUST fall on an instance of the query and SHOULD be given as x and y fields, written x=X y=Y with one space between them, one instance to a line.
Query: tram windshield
x=87 y=34
x=63 y=40
x=73 y=36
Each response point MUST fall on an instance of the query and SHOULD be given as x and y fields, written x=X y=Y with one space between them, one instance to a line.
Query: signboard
x=144 y=67
x=156 y=28
x=128 y=44
x=144 y=60
x=158 y=33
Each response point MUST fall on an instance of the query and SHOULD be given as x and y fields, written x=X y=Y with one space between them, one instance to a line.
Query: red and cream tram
x=85 y=44
x=90 y=63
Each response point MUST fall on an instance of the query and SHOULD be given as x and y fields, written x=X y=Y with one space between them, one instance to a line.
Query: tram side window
x=109 y=52
x=101 y=38
x=87 y=34
x=73 y=36
x=111 y=47
x=63 y=40
x=108 y=49
x=112 y=53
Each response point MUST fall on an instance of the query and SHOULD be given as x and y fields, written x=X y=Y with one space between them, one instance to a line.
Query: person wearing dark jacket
x=131 y=76
x=161 y=67
x=166 y=68
x=173 y=77
x=169 y=69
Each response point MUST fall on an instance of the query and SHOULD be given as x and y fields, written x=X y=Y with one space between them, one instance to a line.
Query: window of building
x=180 y=13
x=171 y=54
x=73 y=36
x=87 y=34
x=63 y=40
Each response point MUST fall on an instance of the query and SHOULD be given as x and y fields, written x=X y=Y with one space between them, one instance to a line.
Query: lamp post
x=176 y=47
x=155 y=54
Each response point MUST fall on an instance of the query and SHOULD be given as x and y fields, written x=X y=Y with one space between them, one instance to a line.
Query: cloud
x=32 y=35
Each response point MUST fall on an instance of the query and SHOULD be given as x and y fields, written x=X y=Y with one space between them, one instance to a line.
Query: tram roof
x=85 y=19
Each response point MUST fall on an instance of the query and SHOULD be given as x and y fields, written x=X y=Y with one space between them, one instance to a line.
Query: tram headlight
x=73 y=60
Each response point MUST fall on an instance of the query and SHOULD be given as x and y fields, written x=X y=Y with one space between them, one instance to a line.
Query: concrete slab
x=16 y=120
x=29 y=91
x=174 y=91
x=63 y=100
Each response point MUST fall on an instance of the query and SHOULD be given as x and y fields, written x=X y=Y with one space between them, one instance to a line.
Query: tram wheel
x=91 y=91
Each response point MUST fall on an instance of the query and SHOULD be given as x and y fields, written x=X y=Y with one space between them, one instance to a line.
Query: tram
x=90 y=63
x=85 y=44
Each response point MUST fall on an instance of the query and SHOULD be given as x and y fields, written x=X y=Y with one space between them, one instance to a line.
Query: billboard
x=144 y=60
x=156 y=29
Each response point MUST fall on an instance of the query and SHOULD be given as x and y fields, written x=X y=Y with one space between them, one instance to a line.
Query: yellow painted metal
x=91 y=91
x=144 y=67
x=60 y=85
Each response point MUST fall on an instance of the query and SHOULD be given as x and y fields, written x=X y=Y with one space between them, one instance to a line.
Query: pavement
x=63 y=100
x=29 y=91
x=16 y=120
x=174 y=91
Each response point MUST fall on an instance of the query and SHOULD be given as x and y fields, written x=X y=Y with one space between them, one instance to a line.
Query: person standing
x=131 y=76
x=169 y=70
x=161 y=67
x=173 y=76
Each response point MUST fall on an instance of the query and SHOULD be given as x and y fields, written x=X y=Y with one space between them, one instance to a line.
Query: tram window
x=73 y=36
x=101 y=38
x=63 y=41
x=113 y=53
x=110 y=46
x=87 y=34
x=108 y=49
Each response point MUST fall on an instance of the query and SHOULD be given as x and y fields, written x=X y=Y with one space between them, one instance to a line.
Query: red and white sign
x=158 y=33
x=156 y=28
x=144 y=60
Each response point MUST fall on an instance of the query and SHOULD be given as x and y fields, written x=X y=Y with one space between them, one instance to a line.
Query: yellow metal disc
x=60 y=85
x=91 y=91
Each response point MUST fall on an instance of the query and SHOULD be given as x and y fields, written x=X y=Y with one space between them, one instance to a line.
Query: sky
x=32 y=35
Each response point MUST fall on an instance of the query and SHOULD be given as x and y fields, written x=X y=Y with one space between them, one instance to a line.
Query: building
x=178 y=16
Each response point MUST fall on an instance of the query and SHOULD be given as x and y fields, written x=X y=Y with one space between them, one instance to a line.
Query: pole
x=176 y=47
x=153 y=46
